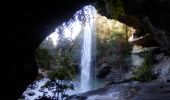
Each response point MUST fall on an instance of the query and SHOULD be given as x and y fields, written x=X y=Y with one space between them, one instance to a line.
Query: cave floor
x=128 y=91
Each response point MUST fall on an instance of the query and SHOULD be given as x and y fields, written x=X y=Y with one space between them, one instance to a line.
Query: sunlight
x=71 y=31
x=72 y=28
x=76 y=28
x=54 y=37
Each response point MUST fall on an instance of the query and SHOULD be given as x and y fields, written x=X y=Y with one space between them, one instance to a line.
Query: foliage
x=112 y=36
x=43 y=57
x=61 y=78
x=65 y=73
x=112 y=43
x=64 y=51
x=144 y=72
x=116 y=44
x=59 y=82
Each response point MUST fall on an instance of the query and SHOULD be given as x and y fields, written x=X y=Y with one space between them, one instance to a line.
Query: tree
x=60 y=80
x=43 y=58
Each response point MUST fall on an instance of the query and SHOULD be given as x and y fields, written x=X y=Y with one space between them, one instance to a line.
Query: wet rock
x=129 y=91
x=140 y=50
x=162 y=67
x=137 y=60
x=104 y=70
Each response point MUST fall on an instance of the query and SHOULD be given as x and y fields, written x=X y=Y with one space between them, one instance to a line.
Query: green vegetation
x=61 y=77
x=115 y=44
x=60 y=80
x=63 y=68
x=66 y=74
x=66 y=66
x=112 y=37
x=112 y=51
x=112 y=45
x=144 y=72
x=43 y=57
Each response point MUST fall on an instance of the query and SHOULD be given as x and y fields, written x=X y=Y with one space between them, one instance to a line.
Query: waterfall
x=82 y=22
x=87 y=47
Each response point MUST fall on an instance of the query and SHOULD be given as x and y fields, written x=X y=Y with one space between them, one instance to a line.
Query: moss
x=144 y=72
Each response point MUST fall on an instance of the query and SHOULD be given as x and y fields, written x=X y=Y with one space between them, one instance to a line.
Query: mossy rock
x=144 y=72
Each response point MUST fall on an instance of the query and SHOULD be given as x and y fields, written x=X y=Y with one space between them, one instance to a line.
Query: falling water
x=87 y=53
x=82 y=22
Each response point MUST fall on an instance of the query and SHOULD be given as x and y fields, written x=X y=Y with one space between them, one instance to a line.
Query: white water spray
x=86 y=58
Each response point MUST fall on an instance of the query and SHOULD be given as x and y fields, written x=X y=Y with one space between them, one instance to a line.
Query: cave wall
x=153 y=14
x=24 y=25
x=146 y=16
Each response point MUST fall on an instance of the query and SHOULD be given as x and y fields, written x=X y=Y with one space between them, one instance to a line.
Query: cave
x=26 y=23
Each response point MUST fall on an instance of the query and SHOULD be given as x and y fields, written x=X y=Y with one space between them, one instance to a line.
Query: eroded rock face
x=157 y=14
x=147 y=16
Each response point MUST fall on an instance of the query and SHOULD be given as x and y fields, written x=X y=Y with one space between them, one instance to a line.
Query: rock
x=147 y=16
x=162 y=68
x=158 y=23
x=104 y=70
x=139 y=50
x=145 y=41
x=137 y=60
x=128 y=91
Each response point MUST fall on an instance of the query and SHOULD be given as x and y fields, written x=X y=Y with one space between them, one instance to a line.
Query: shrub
x=43 y=57
x=60 y=82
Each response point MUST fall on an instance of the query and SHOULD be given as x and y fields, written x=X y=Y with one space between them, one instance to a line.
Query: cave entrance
x=60 y=55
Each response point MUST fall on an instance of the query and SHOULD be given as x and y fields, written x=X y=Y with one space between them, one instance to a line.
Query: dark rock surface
x=162 y=67
x=156 y=13
x=144 y=41
x=128 y=91
x=147 y=16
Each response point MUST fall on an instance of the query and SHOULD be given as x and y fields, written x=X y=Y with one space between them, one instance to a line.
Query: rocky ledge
x=128 y=91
